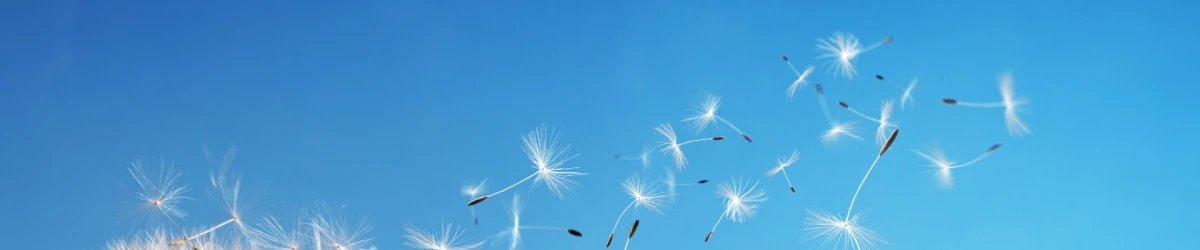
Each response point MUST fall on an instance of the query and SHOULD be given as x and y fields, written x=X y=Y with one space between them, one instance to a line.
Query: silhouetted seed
x=718 y=138
x=844 y=105
x=609 y=240
x=889 y=142
x=709 y=236
x=994 y=147
x=574 y=232
x=633 y=229
x=950 y=101
x=879 y=77
x=785 y=58
x=887 y=40
x=616 y=156
x=702 y=181
x=476 y=220
x=477 y=201
x=820 y=91
x=744 y=135
x=793 y=189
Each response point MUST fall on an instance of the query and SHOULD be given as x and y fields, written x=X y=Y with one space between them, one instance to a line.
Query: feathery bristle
x=610 y=236
x=574 y=232
x=950 y=101
x=785 y=58
x=476 y=201
x=707 y=237
x=744 y=135
x=844 y=105
x=633 y=229
x=889 y=142
x=993 y=148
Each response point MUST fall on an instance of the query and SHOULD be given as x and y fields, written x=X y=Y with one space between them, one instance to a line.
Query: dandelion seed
x=159 y=191
x=781 y=164
x=271 y=234
x=574 y=232
x=942 y=167
x=473 y=189
x=740 y=202
x=644 y=157
x=670 y=144
x=1010 y=102
x=229 y=191
x=643 y=195
x=450 y=238
x=702 y=181
x=707 y=114
x=542 y=148
x=844 y=49
x=906 y=97
x=514 y=232
x=836 y=129
x=884 y=114
x=800 y=77
x=846 y=232
x=631 y=231
x=336 y=231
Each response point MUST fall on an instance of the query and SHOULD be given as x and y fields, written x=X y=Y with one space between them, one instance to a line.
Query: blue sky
x=387 y=107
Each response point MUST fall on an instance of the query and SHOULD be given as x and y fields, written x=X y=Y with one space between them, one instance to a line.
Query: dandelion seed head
x=670 y=145
x=450 y=238
x=473 y=189
x=706 y=112
x=1012 y=105
x=784 y=162
x=643 y=194
x=837 y=130
x=939 y=165
x=336 y=231
x=845 y=48
x=542 y=148
x=158 y=188
x=741 y=200
x=840 y=233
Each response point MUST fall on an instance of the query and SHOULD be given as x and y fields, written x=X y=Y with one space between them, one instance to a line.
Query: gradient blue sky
x=386 y=107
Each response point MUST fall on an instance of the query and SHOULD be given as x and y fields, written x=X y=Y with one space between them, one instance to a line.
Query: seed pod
x=574 y=232
x=744 y=135
x=889 y=142
x=844 y=105
x=879 y=77
x=950 y=101
x=819 y=90
x=793 y=189
x=709 y=236
x=993 y=148
x=633 y=229
x=718 y=138
x=785 y=58
x=476 y=201
x=609 y=240
x=887 y=40
x=702 y=181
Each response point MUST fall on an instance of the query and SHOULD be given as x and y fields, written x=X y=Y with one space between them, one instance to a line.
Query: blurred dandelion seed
x=781 y=164
x=706 y=114
x=1010 y=102
x=514 y=232
x=450 y=238
x=671 y=184
x=800 y=77
x=836 y=128
x=885 y=113
x=542 y=148
x=740 y=202
x=643 y=195
x=472 y=190
x=335 y=229
x=942 y=167
x=907 y=97
x=843 y=49
x=271 y=234
x=644 y=157
x=670 y=144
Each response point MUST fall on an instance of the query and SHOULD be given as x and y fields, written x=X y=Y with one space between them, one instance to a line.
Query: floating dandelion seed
x=706 y=114
x=631 y=231
x=740 y=202
x=159 y=191
x=450 y=238
x=800 y=77
x=271 y=234
x=781 y=164
x=907 y=96
x=846 y=233
x=671 y=184
x=1010 y=103
x=670 y=144
x=336 y=231
x=472 y=190
x=643 y=195
x=884 y=114
x=836 y=128
x=644 y=157
x=229 y=191
x=542 y=148
x=941 y=166
x=844 y=48
x=514 y=232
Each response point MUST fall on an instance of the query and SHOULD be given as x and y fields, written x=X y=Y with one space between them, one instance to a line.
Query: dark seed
x=709 y=236
x=879 y=77
x=785 y=58
x=609 y=240
x=633 y=229
x=819 y=90
x=889 y=142
x=793 y=189
x=702 y=181
x=718 y=138
x=574 y=232
x=844 y=105
x=994 y=147
x=744 y=135
x=477 y=201
x=950 y=101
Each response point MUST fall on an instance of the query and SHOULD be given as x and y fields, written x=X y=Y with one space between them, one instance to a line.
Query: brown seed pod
x=718 y=138
x=476 y=201
x=993 y=148
x=702 y=181
x=744 y=135
x=633 y=229
x=844 y=105
x=950 y=101
x=785 y=58
x=793 y=189
x=574 y=232
x=709 y=236
x=889 y=142
x=887 y=40
x=609 y=240
x=879 y=77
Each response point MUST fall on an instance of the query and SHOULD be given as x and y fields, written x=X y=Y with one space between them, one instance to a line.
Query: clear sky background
x=387 y=107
